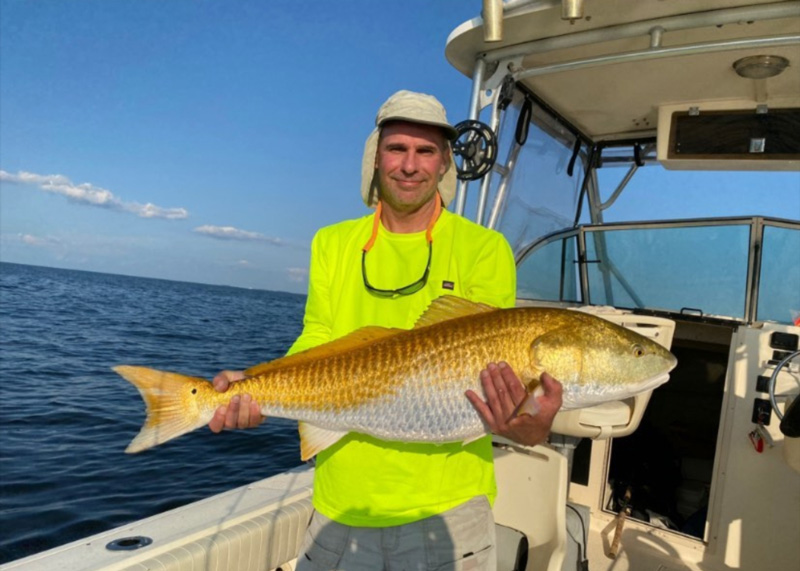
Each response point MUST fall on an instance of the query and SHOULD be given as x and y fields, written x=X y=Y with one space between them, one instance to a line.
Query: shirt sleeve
x=493 y=279
x=317 y=318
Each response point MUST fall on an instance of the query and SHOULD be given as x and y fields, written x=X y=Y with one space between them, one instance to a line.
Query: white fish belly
x=420 y=411
x=581 y=395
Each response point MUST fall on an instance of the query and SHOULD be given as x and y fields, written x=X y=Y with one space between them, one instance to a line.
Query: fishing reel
x=476 y=145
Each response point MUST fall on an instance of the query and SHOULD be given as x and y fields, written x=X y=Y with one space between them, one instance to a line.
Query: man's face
x=411 y=159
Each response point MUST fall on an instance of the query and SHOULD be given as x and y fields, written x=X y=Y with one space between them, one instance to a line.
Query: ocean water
x=66 y=418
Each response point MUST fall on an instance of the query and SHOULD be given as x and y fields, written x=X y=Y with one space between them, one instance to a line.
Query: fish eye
x=194 y=391
x=638 y=351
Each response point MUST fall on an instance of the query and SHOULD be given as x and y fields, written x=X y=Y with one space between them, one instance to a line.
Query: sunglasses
x=413 y=287
x=405 y=290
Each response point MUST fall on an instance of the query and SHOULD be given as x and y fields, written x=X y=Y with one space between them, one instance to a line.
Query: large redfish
x=409 y=385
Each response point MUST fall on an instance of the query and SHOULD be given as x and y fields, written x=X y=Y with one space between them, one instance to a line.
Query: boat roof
x=608 y=73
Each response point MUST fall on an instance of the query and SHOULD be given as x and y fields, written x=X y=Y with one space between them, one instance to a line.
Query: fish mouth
x=673 y=362
x=656 y=381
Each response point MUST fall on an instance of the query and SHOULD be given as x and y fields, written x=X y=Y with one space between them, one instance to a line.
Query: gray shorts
x=459 y=539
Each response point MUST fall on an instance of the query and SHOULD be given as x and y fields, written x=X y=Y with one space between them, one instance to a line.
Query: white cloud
x=231 y=233
x=297 y=274
x=87 y=193
x=38 y=241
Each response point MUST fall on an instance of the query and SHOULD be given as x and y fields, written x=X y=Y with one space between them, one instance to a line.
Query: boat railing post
x=753 y=269
x=474 y=113
x=583 y=274
x=502 y=188
x=494 y=125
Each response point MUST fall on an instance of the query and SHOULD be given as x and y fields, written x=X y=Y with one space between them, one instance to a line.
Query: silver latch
x=757 y=144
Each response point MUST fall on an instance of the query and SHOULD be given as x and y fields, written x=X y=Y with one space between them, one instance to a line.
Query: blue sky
x=246 y=115
x=206 y=140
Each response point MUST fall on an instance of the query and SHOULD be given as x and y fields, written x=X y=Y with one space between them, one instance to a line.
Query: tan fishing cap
x=414 y=108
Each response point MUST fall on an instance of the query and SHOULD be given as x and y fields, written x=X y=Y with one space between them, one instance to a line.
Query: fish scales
x=394 y=396
x=410 y=385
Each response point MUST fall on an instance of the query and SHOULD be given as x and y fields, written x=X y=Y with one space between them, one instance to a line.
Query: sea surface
x=66 y=418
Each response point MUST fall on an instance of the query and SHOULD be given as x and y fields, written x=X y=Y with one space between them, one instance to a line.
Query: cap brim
x=449 y=131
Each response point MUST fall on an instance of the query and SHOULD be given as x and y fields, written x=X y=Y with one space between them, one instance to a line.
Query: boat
x=579 y=110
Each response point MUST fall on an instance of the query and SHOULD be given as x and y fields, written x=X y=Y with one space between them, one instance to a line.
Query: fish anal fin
x=450 y=307
x=314 y=439
x=358 y=338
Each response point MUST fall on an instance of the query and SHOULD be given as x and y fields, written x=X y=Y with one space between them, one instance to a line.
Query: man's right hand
x=241 y=412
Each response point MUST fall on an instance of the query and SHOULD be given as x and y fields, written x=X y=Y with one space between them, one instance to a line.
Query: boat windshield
x=542 y=195
x=706 y=243
x=743 y=269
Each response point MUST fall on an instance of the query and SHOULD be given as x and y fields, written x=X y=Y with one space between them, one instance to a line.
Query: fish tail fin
x=170 y=410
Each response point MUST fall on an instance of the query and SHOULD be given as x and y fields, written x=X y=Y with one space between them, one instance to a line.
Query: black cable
x=583 y=554
x=576 y=149
x=523 y=122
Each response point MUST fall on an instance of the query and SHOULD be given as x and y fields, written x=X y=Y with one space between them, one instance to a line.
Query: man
x=379 y=504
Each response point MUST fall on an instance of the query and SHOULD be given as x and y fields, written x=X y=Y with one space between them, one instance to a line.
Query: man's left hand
x=504 y=392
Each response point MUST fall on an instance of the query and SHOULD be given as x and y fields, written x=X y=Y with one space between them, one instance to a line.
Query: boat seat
x=530 y=506
x=615 y=418
x=512 y=549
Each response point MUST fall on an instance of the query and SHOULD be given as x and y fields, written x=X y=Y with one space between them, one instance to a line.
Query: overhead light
x=760 y=67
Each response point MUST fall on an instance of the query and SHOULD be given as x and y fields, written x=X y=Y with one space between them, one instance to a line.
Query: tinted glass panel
x=542 y=197
x=550 y=272
x=700 y=268
x=779 y=290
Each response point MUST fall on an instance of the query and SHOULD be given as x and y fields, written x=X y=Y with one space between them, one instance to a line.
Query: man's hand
x=504 y=391
x=241 y=412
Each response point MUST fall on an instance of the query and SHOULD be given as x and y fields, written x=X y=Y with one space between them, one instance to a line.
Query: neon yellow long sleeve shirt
x=367 y=482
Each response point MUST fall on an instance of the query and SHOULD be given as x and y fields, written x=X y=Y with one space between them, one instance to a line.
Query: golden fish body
x=409 y=385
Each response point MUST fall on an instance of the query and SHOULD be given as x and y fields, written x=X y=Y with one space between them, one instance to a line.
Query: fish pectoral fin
x=315 y=439
x=530 y=404
x=450 y=307
x=354 y=340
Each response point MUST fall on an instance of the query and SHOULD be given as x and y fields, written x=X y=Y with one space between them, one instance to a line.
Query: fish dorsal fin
x=354 y=340
x=450 y=307
x=314 y=439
